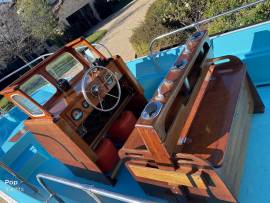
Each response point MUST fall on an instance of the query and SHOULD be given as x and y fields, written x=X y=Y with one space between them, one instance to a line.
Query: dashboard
x=77 y=112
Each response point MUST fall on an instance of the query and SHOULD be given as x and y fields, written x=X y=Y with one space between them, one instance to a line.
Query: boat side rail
x=42 y=57
x=20 y=178
x=2 y=112
x=97 y=44
x=90 y=190
x=197 y=24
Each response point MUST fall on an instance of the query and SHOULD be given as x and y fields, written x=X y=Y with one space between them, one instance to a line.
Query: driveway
x=121 y=26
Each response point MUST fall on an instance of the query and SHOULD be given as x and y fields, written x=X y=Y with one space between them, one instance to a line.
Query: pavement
x=120 y=27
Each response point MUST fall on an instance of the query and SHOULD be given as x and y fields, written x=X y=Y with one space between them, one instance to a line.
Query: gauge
x=76 y=114
x=85 y=104
x=82 y=130
x=108 y=78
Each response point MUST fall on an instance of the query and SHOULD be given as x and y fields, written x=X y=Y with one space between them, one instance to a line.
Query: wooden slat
x=170 y=177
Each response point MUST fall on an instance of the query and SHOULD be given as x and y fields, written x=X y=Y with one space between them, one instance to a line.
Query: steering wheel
x=96 y=90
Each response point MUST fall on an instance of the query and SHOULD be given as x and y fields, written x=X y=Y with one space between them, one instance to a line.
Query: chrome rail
x=196 y=24
x=2 y=112
x=102 y=45
x=21 y=179
x=42 y=57
x=25 y=66
x=90 y=190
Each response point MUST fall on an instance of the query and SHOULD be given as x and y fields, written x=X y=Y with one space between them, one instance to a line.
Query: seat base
x=107 y=155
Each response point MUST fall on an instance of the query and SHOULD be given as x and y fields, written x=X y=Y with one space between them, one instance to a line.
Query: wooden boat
x=86 y=113
x=73 y=122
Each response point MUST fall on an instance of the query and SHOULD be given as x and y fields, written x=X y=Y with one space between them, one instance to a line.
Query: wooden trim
x=160 y=143
x=18 y=92
x=196 y=104
x=125 y=70
x=83 y=41
x=171 y=177
x=202 y=182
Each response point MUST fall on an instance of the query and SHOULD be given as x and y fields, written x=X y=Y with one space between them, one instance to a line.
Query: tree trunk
x=24 y=60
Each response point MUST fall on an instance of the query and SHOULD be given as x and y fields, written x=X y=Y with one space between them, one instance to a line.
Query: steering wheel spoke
x=112 y=95
x=107 y=79
x=100 y=102
x=97 y=88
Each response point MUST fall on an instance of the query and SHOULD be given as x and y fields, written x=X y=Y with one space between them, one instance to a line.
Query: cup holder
x=151 y=110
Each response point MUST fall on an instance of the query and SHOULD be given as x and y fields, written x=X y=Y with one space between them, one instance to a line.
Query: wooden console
x=55 y=126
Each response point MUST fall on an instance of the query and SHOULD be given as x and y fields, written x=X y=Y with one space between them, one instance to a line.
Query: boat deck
x=256 y=175
x=251 y=44
x=256 y=170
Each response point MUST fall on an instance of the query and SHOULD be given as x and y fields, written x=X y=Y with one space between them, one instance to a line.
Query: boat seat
x=107 y=155
x=212 y=125
x=122 y=127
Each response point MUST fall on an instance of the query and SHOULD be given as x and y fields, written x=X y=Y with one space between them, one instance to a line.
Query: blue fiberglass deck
x=251 y=44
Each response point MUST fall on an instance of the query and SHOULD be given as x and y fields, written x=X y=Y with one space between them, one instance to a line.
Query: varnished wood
x=197 y=102
x=233 y=164
x=196 y=181
x=134 y=148
x=56 y=131
x=150 y=128
x=194 y=135
x=158 y=152
x=125 y=70
x=171 y=177
x=258 y=103
x=63 y=145
x=209 y=134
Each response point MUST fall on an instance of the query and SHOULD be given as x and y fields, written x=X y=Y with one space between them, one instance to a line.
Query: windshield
x=64 y=67
x=39 y=89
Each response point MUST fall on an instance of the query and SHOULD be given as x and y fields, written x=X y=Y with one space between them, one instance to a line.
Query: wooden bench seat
x=213 y=123
x=195 y=128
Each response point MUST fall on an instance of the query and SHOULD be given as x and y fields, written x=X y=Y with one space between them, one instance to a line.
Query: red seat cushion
x=107 y=155
x=122 y=127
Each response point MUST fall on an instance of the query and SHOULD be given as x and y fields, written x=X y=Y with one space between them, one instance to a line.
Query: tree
x=245 y=17
x=37 y=17
x=167 y=15
x=14 y=39
x=184 y=12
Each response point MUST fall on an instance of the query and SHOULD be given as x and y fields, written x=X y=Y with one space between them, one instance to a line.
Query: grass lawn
x=96 y=36
x=5 y=104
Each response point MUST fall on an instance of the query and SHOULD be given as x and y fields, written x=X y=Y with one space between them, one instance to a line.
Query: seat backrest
x=164 y=117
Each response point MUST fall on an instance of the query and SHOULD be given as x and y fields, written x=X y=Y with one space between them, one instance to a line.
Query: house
x=81 y=15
